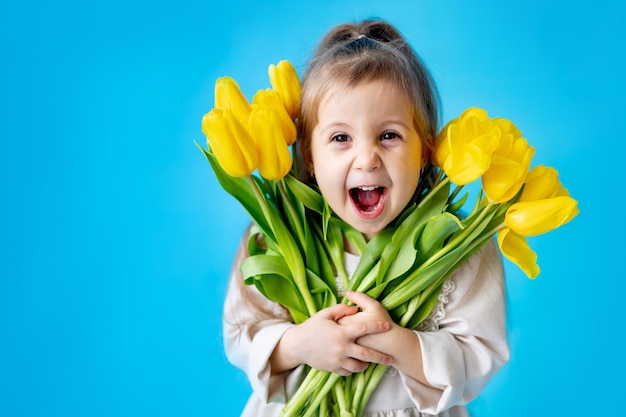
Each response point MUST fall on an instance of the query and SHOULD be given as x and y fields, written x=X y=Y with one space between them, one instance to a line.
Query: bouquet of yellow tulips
x=405 y=266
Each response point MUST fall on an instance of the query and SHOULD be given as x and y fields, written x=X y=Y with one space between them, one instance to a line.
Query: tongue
x=368 y=199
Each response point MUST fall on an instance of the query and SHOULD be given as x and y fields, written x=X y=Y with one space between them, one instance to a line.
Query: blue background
x=116 y=240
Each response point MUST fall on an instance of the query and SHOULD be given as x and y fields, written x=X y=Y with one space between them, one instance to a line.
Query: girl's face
x=366 y=154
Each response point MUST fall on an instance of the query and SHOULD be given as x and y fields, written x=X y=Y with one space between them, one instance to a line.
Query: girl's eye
x=340 y=138
x=389 y=135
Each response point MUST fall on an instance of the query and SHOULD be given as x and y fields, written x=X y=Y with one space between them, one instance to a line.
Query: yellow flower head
x=270 y=99
x=274 y=156
x=542 y=182
x=543 y=206
x=230 y=142
x=284 y=80
x=464 y=147
x=509 y=164
x=533 y=218
x=228 y=96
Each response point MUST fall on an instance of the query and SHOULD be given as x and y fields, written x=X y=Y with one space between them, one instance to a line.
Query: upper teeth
x=369 y=188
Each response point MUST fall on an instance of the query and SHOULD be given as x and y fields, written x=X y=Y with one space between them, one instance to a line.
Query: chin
x=370 y=231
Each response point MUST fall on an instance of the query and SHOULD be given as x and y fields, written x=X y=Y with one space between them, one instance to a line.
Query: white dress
x=463 y=344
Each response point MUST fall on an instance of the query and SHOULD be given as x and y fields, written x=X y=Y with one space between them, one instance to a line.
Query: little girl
x=368 y=120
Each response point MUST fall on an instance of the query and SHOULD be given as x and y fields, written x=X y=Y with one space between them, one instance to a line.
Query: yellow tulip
x=464 y=147
x=531 y=218
x=542 y=182
x=271 y=99
x=515 y=248
x=274 y=156
x=228 y=96
x=230 y=142
x=509 y=164
x=285 y=81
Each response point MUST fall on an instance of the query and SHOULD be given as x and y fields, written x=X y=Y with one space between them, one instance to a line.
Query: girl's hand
x=400 y=343
x=323 y=343
x=371 y=310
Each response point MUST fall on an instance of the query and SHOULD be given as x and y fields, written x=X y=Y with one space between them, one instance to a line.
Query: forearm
x=406 y=350
x=284 y=357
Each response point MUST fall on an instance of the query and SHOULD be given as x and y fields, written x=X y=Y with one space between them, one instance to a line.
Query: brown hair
x=367 y=51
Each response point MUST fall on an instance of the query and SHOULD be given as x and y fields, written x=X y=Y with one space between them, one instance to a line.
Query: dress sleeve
x=470 y=344
x=252 y=326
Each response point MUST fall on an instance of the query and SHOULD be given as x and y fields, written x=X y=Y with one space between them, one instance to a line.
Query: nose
x=367 y=158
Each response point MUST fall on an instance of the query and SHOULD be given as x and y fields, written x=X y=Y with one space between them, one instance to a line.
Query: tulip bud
x=274 y=156
x=230 y=142
x=542 y=182
x=228 y=95
x=541 y=216
x=271 y=99
x=463 y=148
x=284 y=79
x=509 y=164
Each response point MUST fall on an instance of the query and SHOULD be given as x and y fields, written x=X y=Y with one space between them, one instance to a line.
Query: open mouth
x=368 y=201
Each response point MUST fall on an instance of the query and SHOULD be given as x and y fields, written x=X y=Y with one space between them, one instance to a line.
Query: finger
x=338 y=311
x=363 y=328
x=351 y=365
x=367 y=355
x=362 y=300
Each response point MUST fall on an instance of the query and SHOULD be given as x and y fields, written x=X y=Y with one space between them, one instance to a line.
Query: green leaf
x=326 y=215
x=356 y=238
x=323 y=260
x=377 y=290
x=272 y=277
x=421 y=278
x=437 y=230
x=370 y=256
x=254 y=238
x=458 y=205
x=323 y=295
x=426 y=304
x=435 y=201
x=308 y=196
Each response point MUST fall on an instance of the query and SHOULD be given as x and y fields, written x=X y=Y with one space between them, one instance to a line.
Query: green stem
x=321 y=394
x=372 y=382
x=461 y=236
x=358 y=390
x=292 y=211
x=288 y=246
x=340 y=395
x=414 y=304
x=433 y=191
x=314 y=379
x=454 y=193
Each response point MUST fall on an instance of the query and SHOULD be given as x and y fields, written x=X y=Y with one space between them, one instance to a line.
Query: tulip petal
x=274 y=156
x=466 y=165
x=284 y=80
x=541 y=216
x=271 y=99
x=542 y=182
x=464 y=147
x=515 y=248
x=509 y=164
x=228 y=95
x=230 y=143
